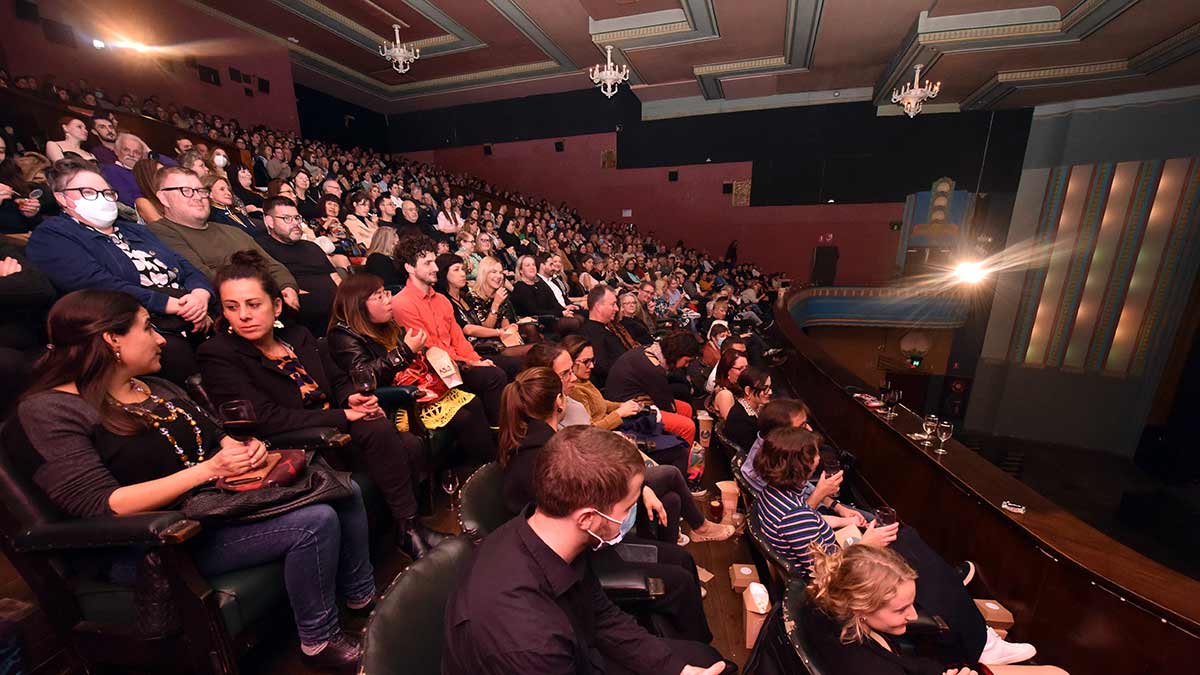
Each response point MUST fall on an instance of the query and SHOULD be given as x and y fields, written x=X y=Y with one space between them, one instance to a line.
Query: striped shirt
x=790 y=525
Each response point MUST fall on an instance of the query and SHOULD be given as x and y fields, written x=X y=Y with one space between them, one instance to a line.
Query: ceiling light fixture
x=294 y=40
x=401 y=56
x=610 y=76
x=912 y=95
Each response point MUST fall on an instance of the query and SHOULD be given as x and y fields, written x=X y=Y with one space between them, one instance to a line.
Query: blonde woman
x=861 y=601
x=379 y=257
x=489 y=294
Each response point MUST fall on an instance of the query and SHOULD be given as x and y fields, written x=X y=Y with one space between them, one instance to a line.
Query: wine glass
x=239 y=419
x=831 y=465
x=884 y=516
x=929 y=426
x=891 y=398
x=450 y=481
x=944 y=431
x=363 y=379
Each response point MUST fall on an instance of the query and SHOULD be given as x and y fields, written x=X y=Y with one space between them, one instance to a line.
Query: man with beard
x=129 y=149
x=304 y=259
x=105 y=148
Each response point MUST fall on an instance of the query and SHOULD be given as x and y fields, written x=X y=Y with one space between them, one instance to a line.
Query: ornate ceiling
x=700 y=56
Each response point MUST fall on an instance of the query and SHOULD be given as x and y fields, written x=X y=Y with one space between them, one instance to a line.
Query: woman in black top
x=243 y=188
x=524 y=296
x=101 y=438
x=471 y=313
x=292 y=386
x=753 y=391
x=861 y=600
x=380 y=261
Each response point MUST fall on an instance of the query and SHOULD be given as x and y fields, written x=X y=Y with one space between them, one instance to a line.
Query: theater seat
x=794 y=600
x=481 y=507
x=404 y=635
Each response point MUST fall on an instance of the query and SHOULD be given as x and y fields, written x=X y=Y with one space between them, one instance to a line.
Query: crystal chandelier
x=399 y=55
x=912 y=95
x=610 y=76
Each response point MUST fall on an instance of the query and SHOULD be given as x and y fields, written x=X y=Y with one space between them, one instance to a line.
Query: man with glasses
x=283 y=240
x=185 y=228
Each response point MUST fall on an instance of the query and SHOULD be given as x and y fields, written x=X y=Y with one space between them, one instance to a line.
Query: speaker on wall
x=672 y=176
x=235 y=75
x=264 y=85
x=209 y=75
x=558 y=146
x=824 y=269
x=726 y=188
x=487 y=149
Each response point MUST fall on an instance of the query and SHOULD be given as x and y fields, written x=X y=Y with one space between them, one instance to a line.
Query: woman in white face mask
x=88 y=247
x=218 y=160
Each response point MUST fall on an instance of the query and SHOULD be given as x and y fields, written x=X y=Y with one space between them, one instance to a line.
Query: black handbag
x=318 y=484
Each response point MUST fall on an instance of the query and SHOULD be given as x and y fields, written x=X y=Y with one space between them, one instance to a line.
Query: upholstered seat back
x=26 y=504
x=481 y=507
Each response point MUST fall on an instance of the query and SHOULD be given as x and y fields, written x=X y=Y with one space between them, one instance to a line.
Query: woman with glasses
x=753 y=388
x=87 y=247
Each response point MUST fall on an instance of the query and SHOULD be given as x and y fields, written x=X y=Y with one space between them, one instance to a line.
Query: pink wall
x=780 y=238
x=185 y=31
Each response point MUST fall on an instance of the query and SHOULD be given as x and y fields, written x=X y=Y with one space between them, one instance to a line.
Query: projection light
x=98 y=44
x=970 y=272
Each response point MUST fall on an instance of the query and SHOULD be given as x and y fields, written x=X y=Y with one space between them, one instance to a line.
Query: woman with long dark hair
x=281 y=372
x=489 y=342
x=100 y=437
x=363 y=333
x=753 y=391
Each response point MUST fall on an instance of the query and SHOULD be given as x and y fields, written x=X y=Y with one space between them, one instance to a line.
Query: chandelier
x=399 y=55
x=912 y=95
x=610 y=76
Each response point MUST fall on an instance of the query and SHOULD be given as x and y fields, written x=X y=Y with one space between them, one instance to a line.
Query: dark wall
x=570 y=113
x=326 y=118
x=843 y=152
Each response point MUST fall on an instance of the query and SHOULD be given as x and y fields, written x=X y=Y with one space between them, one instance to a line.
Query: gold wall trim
x=735 y=66
x=992 y=32
x=642 y=32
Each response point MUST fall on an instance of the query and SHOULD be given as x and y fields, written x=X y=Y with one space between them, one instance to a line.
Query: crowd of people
x=577 y=354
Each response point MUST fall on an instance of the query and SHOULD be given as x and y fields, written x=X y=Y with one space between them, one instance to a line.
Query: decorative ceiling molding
x=930 y=37
x=1179 y=46
x=688 y=106
x=455 y=38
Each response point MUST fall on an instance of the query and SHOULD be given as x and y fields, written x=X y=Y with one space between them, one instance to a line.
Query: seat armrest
x=927 y=624
x=153 y=528
x=310 y=438
x=403 y=396
x=628 y=583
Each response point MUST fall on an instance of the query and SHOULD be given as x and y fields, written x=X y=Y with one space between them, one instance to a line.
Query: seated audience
x=243 y=188
x=87 y=247
x=729 y=368
x=753 y=392
x=130 y=150
x=363 y=334
x=500 y=345
x=19 y=213
x=224 y=206
x=359 y=222
x=530 y=602
x=283 y=240
x=307 y=199
x=105 y=147
x=148 y=208
x=193 y=160
x=551 y=355
x=25 y=295
x=795 y=530
x=282 y=374
x=75 y=133
x=101 y=438
x=209 y=246
x=630 y=320
x=419 y=306
x=717 y=333
x=607 y=415
x=602 y=308
x=642 y=373
x=379 y=258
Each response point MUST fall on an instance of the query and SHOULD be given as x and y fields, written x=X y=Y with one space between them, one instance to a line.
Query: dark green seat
x=243 y=596
x=404 y=635
x=481 y=507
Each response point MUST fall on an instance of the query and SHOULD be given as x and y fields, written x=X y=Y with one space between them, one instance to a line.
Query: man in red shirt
x=419 y=306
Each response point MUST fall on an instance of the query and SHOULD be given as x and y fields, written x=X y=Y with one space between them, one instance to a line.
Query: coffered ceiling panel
x=701 y=56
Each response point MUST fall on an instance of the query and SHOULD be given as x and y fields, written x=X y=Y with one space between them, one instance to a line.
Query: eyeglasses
x=586 y=362
x=189 y=192
x=288 y=220
x=90 y=194
x=382 y=295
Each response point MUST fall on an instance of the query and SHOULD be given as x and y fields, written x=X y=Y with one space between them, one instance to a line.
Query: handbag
x=318 y=483
x=282 y=468
x=420 y=374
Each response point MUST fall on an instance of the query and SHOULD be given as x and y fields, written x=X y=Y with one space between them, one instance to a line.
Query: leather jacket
x=350 y=349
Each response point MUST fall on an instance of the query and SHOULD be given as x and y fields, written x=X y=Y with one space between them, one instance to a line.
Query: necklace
x=173 y=413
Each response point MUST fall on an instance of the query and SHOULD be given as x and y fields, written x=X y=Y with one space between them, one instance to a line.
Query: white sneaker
x=998 y=652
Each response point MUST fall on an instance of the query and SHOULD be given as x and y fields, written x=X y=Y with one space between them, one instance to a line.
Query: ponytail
x=532 y=395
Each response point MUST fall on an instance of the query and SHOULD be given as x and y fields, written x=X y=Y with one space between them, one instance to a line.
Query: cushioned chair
x=737 y=457
x=174 y=618
x=794 y=600
x=772 y=566
x=404 y=635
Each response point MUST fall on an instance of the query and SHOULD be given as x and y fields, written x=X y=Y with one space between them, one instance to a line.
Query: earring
x=117 y=354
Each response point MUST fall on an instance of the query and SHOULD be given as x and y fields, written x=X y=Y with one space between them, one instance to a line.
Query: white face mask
x=221 y=161
x=98 y=212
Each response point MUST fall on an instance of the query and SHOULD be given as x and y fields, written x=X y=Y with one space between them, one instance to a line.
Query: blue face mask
x=626 y=526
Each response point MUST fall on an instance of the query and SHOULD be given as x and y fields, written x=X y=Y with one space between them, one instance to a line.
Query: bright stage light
x=970 y=272
x=98 y=44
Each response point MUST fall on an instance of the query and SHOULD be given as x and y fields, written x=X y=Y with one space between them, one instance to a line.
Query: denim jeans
x=325 y=553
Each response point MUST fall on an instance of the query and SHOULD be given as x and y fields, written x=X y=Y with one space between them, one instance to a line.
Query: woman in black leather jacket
x=363 y=332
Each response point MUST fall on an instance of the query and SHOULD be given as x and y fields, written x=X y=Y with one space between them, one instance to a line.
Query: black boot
x=409 y=539
x=341 y=655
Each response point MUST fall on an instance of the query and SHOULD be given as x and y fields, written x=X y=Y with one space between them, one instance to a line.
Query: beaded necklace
x=173 y=413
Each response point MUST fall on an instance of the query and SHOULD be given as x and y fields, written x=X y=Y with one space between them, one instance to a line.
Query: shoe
x=999 y=652
x=714 y=532
x=431 y=537
x=340 y=655
x=410 y=541
x=966 y=570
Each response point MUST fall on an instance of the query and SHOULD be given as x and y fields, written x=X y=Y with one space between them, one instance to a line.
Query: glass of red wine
x=363 y=378
x=831 y=465
x=884 y=516
x=239 y=420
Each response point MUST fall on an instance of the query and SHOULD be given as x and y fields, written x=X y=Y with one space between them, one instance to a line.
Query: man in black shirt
x=531 y=604
x=281 y=239
x=602 y=307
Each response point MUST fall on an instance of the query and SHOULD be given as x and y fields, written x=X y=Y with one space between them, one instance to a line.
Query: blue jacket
x=76 y=256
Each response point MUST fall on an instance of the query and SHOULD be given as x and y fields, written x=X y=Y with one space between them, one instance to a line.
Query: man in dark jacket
x=602 y=307
x=306 y=261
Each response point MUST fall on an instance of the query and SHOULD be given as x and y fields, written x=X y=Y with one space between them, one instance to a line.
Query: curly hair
x=413 y=246
x=787 y=457
x=850 y=583
x=678 y=344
